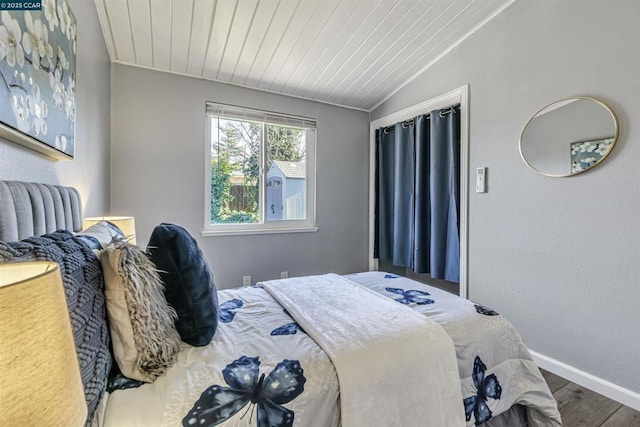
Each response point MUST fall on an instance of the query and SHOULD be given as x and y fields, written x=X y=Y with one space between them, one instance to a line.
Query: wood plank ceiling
x=343 y=52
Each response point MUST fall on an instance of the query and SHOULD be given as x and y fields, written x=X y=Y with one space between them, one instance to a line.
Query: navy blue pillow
x=189 y=285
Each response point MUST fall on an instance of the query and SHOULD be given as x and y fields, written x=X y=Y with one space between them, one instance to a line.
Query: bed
x=321 y=350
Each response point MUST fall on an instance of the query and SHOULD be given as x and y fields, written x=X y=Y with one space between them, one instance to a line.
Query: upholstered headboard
x=31 y=209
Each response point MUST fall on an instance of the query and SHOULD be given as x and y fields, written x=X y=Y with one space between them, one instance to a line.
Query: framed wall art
x=38 y=78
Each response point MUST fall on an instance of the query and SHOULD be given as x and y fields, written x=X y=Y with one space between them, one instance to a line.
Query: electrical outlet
x=246 y=280
x=284 y=274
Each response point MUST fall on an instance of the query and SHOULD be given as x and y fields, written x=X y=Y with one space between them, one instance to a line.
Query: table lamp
x=40 y=380
x=125 y=223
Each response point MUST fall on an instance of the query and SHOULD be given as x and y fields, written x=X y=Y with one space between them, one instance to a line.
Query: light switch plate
x=481 y=180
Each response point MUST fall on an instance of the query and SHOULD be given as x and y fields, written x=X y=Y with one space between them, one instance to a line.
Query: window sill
x=236 y=232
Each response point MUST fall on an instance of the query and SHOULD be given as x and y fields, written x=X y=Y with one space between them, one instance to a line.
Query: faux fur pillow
x=145 y=340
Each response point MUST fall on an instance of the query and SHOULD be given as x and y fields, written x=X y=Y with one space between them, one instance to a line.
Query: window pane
x=286 y=173
x=235 y=171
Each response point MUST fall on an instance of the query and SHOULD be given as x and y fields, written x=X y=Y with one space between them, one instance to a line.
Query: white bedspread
x=293 y=380
x=394 y=365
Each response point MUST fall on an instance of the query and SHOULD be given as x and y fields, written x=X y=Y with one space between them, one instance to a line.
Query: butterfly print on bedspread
x=486 y=387
x=288 y=329
x=412 y=296
x=227 y=310
x=120 y=382
x=217 y=403
x=481 y=309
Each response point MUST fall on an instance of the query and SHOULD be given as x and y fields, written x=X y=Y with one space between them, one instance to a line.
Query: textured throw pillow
x=189 y=284
x=84 y=291
x=145 y=340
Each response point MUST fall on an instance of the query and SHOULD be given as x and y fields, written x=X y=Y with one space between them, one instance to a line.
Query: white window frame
x=264 y=226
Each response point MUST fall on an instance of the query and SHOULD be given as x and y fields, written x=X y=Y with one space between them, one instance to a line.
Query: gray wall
x=89 y=171
x=158 y=175
x=560 y=257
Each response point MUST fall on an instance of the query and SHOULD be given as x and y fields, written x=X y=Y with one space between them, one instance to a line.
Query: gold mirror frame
x=616 y=133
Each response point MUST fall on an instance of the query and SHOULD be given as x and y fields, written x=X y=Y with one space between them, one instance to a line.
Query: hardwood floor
x=580 y=407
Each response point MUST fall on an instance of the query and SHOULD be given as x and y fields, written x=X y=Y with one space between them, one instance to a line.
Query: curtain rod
x=443 y=112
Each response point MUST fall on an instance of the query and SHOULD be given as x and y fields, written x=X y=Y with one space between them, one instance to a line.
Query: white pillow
x=104 y=232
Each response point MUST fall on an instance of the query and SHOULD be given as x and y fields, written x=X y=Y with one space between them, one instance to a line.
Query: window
x=260 y=172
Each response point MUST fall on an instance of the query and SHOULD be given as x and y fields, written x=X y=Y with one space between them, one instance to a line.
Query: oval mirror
x=569 y=136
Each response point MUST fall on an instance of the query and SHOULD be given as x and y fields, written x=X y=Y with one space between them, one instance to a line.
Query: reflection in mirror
x=569 y=136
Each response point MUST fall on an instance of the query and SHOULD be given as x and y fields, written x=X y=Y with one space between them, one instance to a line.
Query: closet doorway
x=379 y=243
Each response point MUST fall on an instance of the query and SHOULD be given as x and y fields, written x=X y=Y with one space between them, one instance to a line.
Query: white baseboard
x=584 y=379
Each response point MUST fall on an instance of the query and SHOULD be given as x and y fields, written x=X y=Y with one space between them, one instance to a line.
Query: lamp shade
x=40 y=380
x=125 y=223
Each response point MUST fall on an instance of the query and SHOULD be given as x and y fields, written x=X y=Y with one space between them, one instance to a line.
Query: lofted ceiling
x=343 y=52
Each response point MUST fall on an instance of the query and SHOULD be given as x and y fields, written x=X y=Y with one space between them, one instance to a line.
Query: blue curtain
x=395 y=187
x=418 y=194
